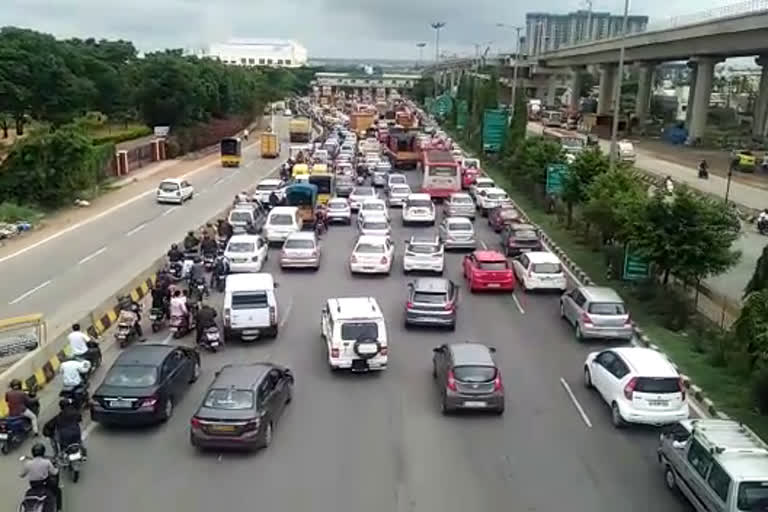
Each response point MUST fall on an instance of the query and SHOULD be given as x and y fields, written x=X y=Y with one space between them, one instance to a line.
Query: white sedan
x=372 y=255
x=246 y=253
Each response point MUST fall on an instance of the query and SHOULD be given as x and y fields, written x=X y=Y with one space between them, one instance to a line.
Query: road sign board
x=635 y=267
x=443 y=105
x=555 y=175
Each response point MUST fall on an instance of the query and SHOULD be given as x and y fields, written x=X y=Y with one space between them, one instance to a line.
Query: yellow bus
x=231 y=152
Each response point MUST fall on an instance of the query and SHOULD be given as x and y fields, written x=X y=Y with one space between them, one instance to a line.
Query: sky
x=327 y=28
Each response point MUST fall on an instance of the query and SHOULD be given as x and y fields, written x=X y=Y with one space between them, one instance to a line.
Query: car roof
x=372 y=200
x=396 y=174
x=249 y=282
x=461 y=194
x=419 y=195
x=463 y=220
x=301 y=235
x=431 y=284
x=270 y=181
x=496 y=189
x=521 y=226
x=372 y=239
x=151 y=354
x=601 y=294
x=349 y=308
x=242 y=376
x=542 y=257
x=244 y=238
x=483 y=178
x=176 y=181
x=646 y=362
x=489 y=255
x=471 y=354
x=338 y=200
x=290 y=210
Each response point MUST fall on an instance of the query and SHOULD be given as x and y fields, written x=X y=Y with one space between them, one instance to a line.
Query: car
x=355 y=334
x=360 y=194
x=431 y=301
x=242 y=406
x=339 y=211
x=372 y=255
x=174 y=190
x=377 y=207
x=503 y=215
x=344 y=186
x=384 y=166
x=321 y=156
x=424 y=253
x=597 y=312
x=459 y=204
x=265 y=187
x=539 y=270
x=467 y=378
x=639 y=384
x=481 y=182
x=379 y=178
x=250 y=307
x=397 y=194
x=244 y=214
x=490 y=198
x=144 y=384
x=281 y=222
x=246 y=253
x=457 y=233
x=488 y=270
x=301 y=250
x=373 y=224
x=418 y=208
x=520 y=238
x=395 y=179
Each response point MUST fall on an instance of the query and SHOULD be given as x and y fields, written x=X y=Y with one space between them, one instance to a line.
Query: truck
x=300 y=129
x=401 y=149
x=405 y=119
x=359 y=122
x=270 y=146
x=494 y=130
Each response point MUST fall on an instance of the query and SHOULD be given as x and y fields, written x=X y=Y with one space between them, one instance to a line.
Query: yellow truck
x=359 y=122
x=300 y=129
x=270 y=146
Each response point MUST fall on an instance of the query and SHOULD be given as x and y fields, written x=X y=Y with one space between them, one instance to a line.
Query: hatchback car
x=339 y=211
x=596 y=312
x=425 y=254
x=460 y=204
x=481 y=182
x=344 y=186
x=144 y=384
x=397 y=194
x=539 y=270
x=488 y=270
x=301 y=250
x=457 y=233
x=375 y=207
x=360 y=194
x=520 y=238
x=246 y=253
x=467 y=378
x=372 y=255
x=432 y=301
x=418 y=208
x=379 y=178
x=639 y=384
x=502 y=216
x=490 y=198
x=373 y=224
x=396 y=179
x=242 y=406
x=265 y=188
x=174 y=190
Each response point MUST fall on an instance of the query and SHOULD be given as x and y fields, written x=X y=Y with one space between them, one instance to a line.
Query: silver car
x=398 y=194
x=596 y=312
x=457 y=233
x=467 y=378
x=300 y=250
x=339 y=211
x=360 y=194
x=379 y=178
x=460 y=204
x=424 y=254
x=371 y=224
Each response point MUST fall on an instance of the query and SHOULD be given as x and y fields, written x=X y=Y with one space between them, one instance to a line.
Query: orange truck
x=359 y=122
x=404 y=118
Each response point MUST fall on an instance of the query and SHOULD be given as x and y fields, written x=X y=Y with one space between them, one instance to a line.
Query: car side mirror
x=277 y=285
x=437 y=350
x=492 y=349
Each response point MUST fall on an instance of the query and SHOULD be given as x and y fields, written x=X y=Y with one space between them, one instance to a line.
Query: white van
x=355 y=334
x=281 y=222
x=626 y=151
x=250 y=306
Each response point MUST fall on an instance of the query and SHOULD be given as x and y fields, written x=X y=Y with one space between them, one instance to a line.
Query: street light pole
x=437 y=26
x=728 y=184
x=617 y=90
x=421 y=46
x=513 y=100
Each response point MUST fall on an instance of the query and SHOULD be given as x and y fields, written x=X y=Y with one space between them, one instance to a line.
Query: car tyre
x=562 y=310
x=268 y=433
x=289 y=398
x=670 y=479
x=587 y=378
x=444 y=410
x=195 y=373
x=167 y=409
x=499 y=411
x=452 y=326
x=434 y=370
x=616 y=418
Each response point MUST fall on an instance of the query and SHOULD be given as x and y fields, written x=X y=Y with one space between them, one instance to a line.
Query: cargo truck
x=300 y=129
x=270 y=147
x=359 y=122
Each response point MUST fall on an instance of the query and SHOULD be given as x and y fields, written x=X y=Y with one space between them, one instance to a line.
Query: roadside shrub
x=123 y=136
x=12 y=212
x=672 y=308
x=760 y=390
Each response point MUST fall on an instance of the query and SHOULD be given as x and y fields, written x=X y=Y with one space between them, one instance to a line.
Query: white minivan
x=355 y=334
x=250 y=307
x=281 y=222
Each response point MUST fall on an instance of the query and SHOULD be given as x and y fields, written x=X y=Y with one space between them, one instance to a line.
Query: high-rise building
x=260 y=52
x=546 y=32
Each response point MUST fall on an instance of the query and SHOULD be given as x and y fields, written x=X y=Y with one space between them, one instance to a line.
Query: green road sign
x=462 y=114
x=635 y=267
x=442 y=105
x=555 y=176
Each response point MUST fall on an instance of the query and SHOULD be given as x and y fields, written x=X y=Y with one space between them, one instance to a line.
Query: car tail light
x=227 y=316
x=149 y=402
x=272 y=315
x=383 y=351
x=628 y=321
x=314 y=252
x=585 y=319
x=449 y=307
x=681 y=386
x=195 y=423
x=383 y=260
x=334 y=352
x=629 y=389
x=498 y=385
x=252 y=425
x=451 y=383
x=408 y=305
x=353 y=259
x=283 y=254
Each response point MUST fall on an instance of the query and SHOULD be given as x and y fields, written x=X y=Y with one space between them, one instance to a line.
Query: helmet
x=15 y=384
x=174 y=246
x=64 y=403
x=75 y=327
x=198 y=259
x=190 y=233
x=38 y=450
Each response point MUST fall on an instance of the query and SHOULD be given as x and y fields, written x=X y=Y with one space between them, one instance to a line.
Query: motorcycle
x=157 y=317
x=38 y=499
x=93 y=355
x=14 y=430
x=218 y=281
x=176 y=270
x=762 y=227
x=77 y=396
x=181 y=325
x=208 y=261
x=126 y=328
x=211 y=339
x=71 y=460
x=198 y=289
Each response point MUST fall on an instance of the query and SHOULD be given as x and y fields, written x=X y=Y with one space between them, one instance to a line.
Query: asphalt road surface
x=68 y=276
x=378 y=442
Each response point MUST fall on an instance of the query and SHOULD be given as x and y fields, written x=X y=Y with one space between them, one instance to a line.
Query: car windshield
x=474 y=373
x=547 y=268
x=397 y=179
x=299 y=243
x=607 y=308
x=657 y=385
x=423 y=248
x=281 y=219
x=229 y=399
x=459 y=226
x=363 y=191
x=131 y=376
x=375 y=224
x=401 y=190
x=493 y=265
x=461 y=200
x=351 y=331
x=525 y=234
x=238 y=217
x=241 y=247
x=366 y=248
x=430 y=297
x=169 y=187
x=266 y=186
x=752 y=496
x=420 y=203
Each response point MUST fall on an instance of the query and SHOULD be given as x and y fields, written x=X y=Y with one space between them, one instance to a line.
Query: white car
x=373 y=224
x=174 y=190
x=480 y=183
x=374 y=207
x=425 y=254
x=418 y=208
x=339 y=211
x=539 y=270
x=457 y=233
x=281 y=222
x=372 y=255
x=489 y=198
x=246 y=253
x=398 y=194
x=396 y=179
x=639 y=384
x=265 y=187
x=360 y=194
x=355 y=334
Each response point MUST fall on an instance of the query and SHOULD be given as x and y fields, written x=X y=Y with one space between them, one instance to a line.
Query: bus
x=231 y=152
x=442 y=174
x=552 y=118
x=324 y=182
x=572 y=143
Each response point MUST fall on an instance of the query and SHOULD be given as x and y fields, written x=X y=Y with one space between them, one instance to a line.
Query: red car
x=502 y=216
x=488 y=270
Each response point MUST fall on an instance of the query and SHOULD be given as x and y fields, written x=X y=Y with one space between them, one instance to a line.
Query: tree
x=584 y=169
x=614 y=199
x=424 y=88
x=517 y=126
x=759 y=279
x=534 y=155
x=751 y=328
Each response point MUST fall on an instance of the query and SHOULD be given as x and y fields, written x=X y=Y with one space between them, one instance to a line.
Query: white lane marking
x=576 y=403
x=167 y=339
x=482 y=242
x=288 y=309
x=92 y=255
x=136 y=229
x=169 y=211
x=30 y=292
x=517 y=303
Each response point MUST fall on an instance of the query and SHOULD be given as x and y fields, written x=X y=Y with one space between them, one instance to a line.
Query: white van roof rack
x=728 y=436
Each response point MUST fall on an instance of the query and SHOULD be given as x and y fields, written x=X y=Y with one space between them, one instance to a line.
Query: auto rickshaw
x=300 y=169
x=303 y=196
x=231 y=151
x=743 y=160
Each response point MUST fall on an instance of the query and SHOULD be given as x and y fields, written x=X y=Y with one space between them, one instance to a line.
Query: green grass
x=11 y=212
x=117 y=133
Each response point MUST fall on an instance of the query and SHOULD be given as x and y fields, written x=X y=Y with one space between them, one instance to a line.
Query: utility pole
x=437 y=26
x=421 y=46
x=617 y=91
x=513 y=101
x=588 y=36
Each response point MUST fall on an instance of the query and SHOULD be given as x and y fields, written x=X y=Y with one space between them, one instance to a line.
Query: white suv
x=419 y=208
x=355 y=334
x=639 y=384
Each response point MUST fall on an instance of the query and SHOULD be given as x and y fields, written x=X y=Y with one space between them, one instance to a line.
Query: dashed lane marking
x=30 y=292
x=576 y=403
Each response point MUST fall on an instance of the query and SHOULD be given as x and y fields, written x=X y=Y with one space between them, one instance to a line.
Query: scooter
x=180 y=326
x=93 y=355
x=157 y=317
x=198 y=289
x=126 y=328
x=77 y=396
x=762 y=227
x=208 y=261
x=71 y=460
x=211 y=339
x=15 y=429
x=38 y=499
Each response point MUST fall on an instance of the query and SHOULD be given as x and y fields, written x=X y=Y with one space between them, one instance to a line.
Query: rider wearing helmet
x=40 y=473
x=19 y=403
x=191 y=241
x=64 y=428
x=175 y=254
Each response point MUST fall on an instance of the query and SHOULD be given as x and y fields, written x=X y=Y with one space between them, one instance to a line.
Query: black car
x=431 y=301
x=467 y=378
x=242 y=406
x=519 y=238
x=144 y=383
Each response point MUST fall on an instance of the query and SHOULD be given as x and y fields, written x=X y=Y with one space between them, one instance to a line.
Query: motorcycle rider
x=40 y=473
x=127 y=303
x=250 y=229
x=179 y=306
x=220 y=268
x=175 y=254
x=206 y=317
x=208 y=246
x=197 y=272
x=703 y=169
x=225 y=229
x=669 y=185
x=64 y=429
x=273 y=199
x=762 y=220
x=320 y=219
x=74 y=373
x=191 y=242
x=78 y=343
x=19 y=404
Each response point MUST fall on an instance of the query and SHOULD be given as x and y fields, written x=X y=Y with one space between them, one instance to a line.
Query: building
x=260 y=52
x=546 y=32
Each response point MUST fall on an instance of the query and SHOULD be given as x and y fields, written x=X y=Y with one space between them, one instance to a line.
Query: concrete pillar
x=691 y=90
x=644 y=86
x=608 y=74
x=575 y=87
x=551 y=90
x=705 y=72
x=761 y=105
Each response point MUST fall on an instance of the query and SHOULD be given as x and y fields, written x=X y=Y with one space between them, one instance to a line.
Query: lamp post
x=617 y=90
x=728 y=184
x=513 y=100
x=421 y=46
x=437 y=26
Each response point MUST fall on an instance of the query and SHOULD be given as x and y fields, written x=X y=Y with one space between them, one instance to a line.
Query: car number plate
x=75 y=456
x=223 y=428
x=474 y=404
x=251 y=332
x=493 y=285
x=215 y=344
x=658 y=403
x=3 y=436
x=121 y=404
x=367 y=268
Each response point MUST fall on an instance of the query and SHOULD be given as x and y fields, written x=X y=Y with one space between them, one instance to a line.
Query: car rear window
x=497 y=196
x=363 y=191
x=423 y=248
x=169 y=187
x=338 y=205
x=281 y=219
x=266 y=186
x=351 y=331
x=607 y=308
x=366 y=248
x=474 y=373
x=378 y=224
x=430 y=297
x=377 y=207
x=131 y=376
x=249 y=300
x=493 y=265
x=240 y=247
x=397 y=179
x=299 y=243
x=508 y=214
x=229 y=399
x=526 y=234
x=459 y=226
x=657 y=385
x=401 y=190
x=547 y=268
x=419 y=203
x=461 y=200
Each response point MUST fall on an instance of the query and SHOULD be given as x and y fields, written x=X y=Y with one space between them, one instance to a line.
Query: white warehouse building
x=260 y=52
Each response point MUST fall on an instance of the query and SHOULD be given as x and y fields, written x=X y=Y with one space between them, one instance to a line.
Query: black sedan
x=520 y=238
x=144 y=383
x=242 y=406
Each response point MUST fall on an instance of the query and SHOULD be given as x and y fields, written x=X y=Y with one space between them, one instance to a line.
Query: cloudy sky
x=328 y=28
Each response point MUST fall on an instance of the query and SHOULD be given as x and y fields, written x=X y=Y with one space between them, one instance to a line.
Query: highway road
x=378 y=442
x=66 y=277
